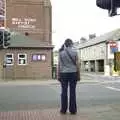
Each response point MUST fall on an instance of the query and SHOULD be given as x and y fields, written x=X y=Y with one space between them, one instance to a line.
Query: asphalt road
x=89 y=96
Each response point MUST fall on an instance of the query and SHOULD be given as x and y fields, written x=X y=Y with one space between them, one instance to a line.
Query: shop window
x=9 y=59
x=22 y=59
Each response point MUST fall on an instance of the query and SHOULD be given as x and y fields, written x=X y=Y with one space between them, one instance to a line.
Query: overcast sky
x=79 y=18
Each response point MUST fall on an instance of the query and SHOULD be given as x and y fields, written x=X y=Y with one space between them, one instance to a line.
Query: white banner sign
x=25 y=23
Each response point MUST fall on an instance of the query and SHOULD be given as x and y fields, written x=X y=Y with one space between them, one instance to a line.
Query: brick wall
x=35 y=10
x=33 y=69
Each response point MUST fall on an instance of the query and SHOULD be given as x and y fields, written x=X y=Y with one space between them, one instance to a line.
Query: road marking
x=112 y=88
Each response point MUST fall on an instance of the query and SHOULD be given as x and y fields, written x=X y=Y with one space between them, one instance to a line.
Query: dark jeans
x=68 y=79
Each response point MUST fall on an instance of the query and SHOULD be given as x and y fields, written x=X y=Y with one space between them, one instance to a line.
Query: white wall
x=119 y=46
x=93 y=52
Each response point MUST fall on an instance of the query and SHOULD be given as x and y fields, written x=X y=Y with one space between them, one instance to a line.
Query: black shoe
x=62 y=112
x=73 y=113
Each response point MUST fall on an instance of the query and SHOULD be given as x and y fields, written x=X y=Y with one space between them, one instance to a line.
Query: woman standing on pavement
x=68 y=73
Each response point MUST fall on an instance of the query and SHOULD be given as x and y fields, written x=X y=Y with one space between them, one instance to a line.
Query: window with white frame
x=38 y=57
x=22 y=59
x=43 y=57
x=9 y=59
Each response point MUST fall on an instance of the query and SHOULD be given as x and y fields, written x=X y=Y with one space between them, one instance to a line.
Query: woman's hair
x=62 y=48
x=68 y=43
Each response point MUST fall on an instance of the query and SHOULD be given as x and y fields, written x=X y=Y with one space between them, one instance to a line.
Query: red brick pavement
x=49 y=114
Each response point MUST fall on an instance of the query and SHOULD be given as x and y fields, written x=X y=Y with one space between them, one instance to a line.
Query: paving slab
x=48 y=114
x=108 y=112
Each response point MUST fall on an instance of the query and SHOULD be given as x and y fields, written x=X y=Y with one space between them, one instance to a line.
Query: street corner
x=47 y=114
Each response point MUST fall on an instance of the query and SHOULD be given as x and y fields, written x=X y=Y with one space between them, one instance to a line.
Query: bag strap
x=62 y=60
x=70 y=57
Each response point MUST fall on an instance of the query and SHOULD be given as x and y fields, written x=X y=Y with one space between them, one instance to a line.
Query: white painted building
x=97 y=55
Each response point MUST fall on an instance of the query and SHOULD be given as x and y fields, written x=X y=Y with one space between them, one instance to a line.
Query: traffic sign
x=113 y=43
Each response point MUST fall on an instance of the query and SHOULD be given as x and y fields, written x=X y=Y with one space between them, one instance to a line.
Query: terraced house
x=97 y=54
x=29 y=55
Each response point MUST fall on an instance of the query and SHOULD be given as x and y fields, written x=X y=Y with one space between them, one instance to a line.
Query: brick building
x=29 y=55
